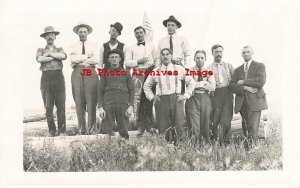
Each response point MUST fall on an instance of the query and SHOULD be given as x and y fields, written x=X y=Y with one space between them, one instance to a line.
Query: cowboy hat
x=89 y=28
x=118 y=26
x=47 y=30
x=172 y=19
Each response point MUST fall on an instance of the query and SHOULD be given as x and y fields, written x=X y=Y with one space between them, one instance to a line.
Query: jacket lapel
x=251 y=70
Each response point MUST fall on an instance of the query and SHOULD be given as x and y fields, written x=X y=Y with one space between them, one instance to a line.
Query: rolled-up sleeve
x=150 y=82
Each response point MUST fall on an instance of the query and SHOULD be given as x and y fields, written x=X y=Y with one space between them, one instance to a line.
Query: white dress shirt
x=181 y=49
x=112 y=47
x=76 y=56
x=164 y=89
x=208 y=83
x=136 y=52
x=226 y=71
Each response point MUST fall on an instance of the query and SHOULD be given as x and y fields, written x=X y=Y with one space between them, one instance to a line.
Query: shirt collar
x=173 y=36
x=197 y=68
x=249 y=62
x=221 y=63
x=47 y=47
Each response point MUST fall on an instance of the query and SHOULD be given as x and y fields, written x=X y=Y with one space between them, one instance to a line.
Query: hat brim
x=43 y=34
x=115 y=52
x=172 y=20
x=111 y=25
x=75 y=29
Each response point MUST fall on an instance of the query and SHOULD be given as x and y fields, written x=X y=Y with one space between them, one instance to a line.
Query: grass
x=153 y=153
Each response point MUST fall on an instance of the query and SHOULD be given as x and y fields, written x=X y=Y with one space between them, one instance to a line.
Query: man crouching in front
x=116 y=96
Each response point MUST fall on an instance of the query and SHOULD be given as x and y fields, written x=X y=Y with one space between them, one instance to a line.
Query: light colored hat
x=47 y=30
x=75 y=29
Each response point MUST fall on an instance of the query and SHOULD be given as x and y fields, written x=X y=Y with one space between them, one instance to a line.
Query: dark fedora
x=49 y=29
x=117 y=51
x=172 y=19
x=118 y=26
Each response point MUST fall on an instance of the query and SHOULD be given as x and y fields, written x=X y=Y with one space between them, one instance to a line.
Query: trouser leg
x=227 y=113
x=205 y=110
x=60 y=99
x=179 y=119
x=122 y=120
x=47 y=91
x=216 y=114
x=90 y=88
x=78 y=93
x=193 y=114
x=163 y=114
x=254 y=119
x=145 y=116
x=109 y=121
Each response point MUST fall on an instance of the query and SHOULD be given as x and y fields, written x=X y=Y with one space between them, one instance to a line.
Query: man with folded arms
x=84 y=55
x=169 y=99
x=247 y=83
x=198 y=107
x=53 y=82
x=140 y=56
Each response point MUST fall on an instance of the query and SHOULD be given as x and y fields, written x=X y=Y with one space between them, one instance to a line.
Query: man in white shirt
x=169 y=99
x=84 y=55
x=140 y=56
x=198 y=107
x=113 y=43
x=222 y=98
x=178 y=44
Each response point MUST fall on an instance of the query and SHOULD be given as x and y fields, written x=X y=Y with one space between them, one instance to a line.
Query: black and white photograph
x=166 y=90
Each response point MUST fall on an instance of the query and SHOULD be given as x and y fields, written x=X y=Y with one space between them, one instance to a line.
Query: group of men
x=203 y=102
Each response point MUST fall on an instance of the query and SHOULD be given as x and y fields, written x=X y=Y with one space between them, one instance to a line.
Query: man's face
x=114 y=59
x=165 y=57
x=247 y=53
x=139 y=35
x=172 y=27
x=113 y=33
x=82 y=33
x=50 y=37
x=200 y=59
x=218 y=54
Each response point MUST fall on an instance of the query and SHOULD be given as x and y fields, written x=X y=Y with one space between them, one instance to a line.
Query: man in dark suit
x=247 y=83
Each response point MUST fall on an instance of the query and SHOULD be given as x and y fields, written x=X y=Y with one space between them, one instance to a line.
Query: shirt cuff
x=187 y=95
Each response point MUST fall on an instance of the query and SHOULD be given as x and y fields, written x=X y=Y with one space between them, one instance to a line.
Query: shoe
x=62 y=134
x=50 y=134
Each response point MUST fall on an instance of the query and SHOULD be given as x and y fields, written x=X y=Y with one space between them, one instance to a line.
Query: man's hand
x=48 y=54
x=203 y=83
x=142 y=60
x=155 y=98
x=102 y=113
x=181 y=98
x=240 y=82
x=129 y=111
x=90 y=55
x=250 y=89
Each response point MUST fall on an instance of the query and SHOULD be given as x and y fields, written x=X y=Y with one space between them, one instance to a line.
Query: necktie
x=246 y=69
x=141 y=43
x=171 y=43
x=200 y=78
x=83 y=48
x=220 y=75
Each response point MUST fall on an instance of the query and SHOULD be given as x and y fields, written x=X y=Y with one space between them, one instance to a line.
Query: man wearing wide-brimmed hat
x=178 y=44
x=113 y=43
x=52 y=81
x=84 y=55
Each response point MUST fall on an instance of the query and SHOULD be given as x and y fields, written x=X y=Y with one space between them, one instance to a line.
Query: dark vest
x=106 y=49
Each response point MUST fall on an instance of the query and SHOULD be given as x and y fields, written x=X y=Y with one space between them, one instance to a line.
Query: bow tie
x=141 y=43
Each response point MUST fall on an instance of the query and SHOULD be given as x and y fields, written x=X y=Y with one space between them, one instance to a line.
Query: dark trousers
x=222 y=112
x=251 y=121
x=145 y=119
x=84 y=90
x=198 y=109
x=170 y=117
x=116 y=112
x=54 y=93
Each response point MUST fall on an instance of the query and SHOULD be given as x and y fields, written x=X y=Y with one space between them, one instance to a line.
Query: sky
x=232 y=24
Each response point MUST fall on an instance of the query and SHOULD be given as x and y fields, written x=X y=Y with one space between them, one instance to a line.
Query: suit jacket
x=256 y=78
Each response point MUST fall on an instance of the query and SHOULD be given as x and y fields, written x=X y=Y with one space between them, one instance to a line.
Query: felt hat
x=172 y=19
x=47 y=30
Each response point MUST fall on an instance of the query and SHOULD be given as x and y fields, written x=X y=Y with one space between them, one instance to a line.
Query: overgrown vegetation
x=153 y=153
